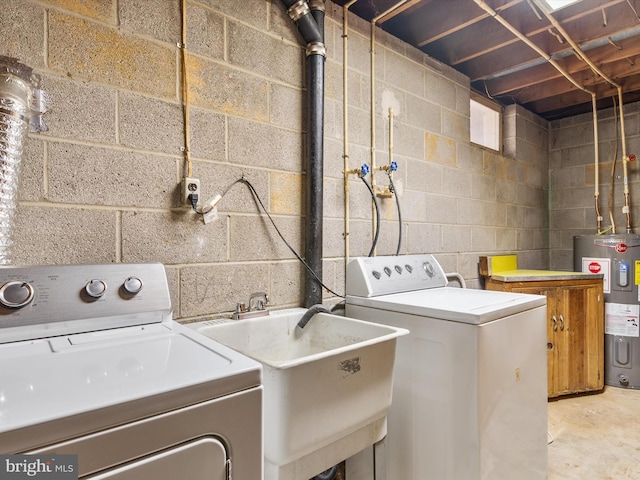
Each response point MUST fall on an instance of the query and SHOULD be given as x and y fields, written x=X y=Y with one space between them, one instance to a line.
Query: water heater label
x=621 y=319
x=598 y=265
x=637 y=274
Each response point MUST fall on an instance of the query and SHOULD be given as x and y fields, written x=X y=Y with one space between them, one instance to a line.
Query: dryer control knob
x=16 y=294
x=132 y=285
x=95 y=288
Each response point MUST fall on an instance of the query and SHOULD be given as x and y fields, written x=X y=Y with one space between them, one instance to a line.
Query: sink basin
x=327 y=387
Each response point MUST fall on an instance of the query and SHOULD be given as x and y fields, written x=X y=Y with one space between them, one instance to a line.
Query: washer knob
x=95 y=288
x=132 y=285
x=16 y=294
x=428 y=268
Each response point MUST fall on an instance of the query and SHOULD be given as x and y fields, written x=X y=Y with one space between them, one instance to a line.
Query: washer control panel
x=383 y=275
x=52 y=300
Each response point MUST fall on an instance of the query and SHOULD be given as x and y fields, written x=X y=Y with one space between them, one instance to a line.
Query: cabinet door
x=575 y=334
x=579 y=339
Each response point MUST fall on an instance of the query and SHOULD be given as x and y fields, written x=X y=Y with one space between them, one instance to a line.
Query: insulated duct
x=21 y=106
x=309 y=17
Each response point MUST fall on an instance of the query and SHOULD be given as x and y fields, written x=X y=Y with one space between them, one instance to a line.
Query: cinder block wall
x=572 y=178
x=103 y=184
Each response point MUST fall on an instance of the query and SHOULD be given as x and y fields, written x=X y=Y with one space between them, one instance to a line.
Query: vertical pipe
x=390 y=135
x=372 y=100
x=315 y=158
x=184 y=90
x=310 y=21
x=345 y=125
x=374 y=21
x=625 y=164
x=596 y=193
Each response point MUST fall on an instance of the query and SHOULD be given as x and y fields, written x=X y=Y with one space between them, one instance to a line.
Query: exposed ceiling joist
x=462 y=35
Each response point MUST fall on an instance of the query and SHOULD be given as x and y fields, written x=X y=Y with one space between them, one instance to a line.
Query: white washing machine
x=470 y=380
x=91 y=364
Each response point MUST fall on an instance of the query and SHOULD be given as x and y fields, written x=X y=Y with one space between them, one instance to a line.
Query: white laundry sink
x=327 y=387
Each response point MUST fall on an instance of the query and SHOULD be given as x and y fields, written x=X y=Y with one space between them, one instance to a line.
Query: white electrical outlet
x=190 y=186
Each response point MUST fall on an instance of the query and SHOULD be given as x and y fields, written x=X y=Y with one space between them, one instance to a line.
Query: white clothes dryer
x=470 y=380
x=91 y=364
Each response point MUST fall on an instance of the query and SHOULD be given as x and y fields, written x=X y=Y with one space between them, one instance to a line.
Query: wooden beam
x=577 y=97
x=612 y=60
x=581 y=28
x=510 y=56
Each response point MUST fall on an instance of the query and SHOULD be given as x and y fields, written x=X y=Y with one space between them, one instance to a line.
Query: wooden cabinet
x=575 y=330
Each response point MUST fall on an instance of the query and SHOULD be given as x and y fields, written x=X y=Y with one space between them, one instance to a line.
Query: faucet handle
x=261 y=301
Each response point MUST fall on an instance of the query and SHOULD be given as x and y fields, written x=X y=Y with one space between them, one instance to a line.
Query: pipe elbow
x=300 y=13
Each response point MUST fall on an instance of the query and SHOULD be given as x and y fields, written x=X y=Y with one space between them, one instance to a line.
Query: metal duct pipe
x=21 y=103
x=310 y=21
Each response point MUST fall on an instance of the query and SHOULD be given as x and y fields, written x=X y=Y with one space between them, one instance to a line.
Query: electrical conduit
x=345 y=125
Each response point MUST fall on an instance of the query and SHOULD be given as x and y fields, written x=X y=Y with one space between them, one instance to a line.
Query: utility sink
x=327 y=387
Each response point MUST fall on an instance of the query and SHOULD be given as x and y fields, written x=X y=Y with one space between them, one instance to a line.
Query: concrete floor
x=595 y=437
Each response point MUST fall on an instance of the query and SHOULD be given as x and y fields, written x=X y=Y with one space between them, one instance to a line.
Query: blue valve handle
x=364 y=169
x=393 y=166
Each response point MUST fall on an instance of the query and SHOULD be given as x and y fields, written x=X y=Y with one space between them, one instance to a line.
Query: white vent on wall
x=485 y=125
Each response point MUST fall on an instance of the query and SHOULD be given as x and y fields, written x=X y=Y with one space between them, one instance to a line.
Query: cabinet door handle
x=561 y=323
x=555 y=323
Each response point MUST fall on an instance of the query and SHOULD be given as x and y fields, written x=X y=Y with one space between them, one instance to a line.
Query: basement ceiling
x=502 y=65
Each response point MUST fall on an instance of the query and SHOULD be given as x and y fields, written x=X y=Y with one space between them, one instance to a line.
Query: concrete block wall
x=103 y=184
x=572 y=178
x=526 y=141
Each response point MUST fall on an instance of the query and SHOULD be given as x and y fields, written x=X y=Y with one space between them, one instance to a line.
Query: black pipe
x=310 y=22
x=315 y=173
x=301 y=14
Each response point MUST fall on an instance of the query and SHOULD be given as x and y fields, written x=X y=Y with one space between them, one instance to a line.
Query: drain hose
x=310 y=313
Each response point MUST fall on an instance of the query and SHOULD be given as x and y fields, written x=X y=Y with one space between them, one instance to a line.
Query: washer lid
x=454 y=304
x=49 y=379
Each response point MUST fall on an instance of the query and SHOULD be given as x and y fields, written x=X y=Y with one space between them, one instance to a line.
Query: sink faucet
x=257 y=307
x=261 y=301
